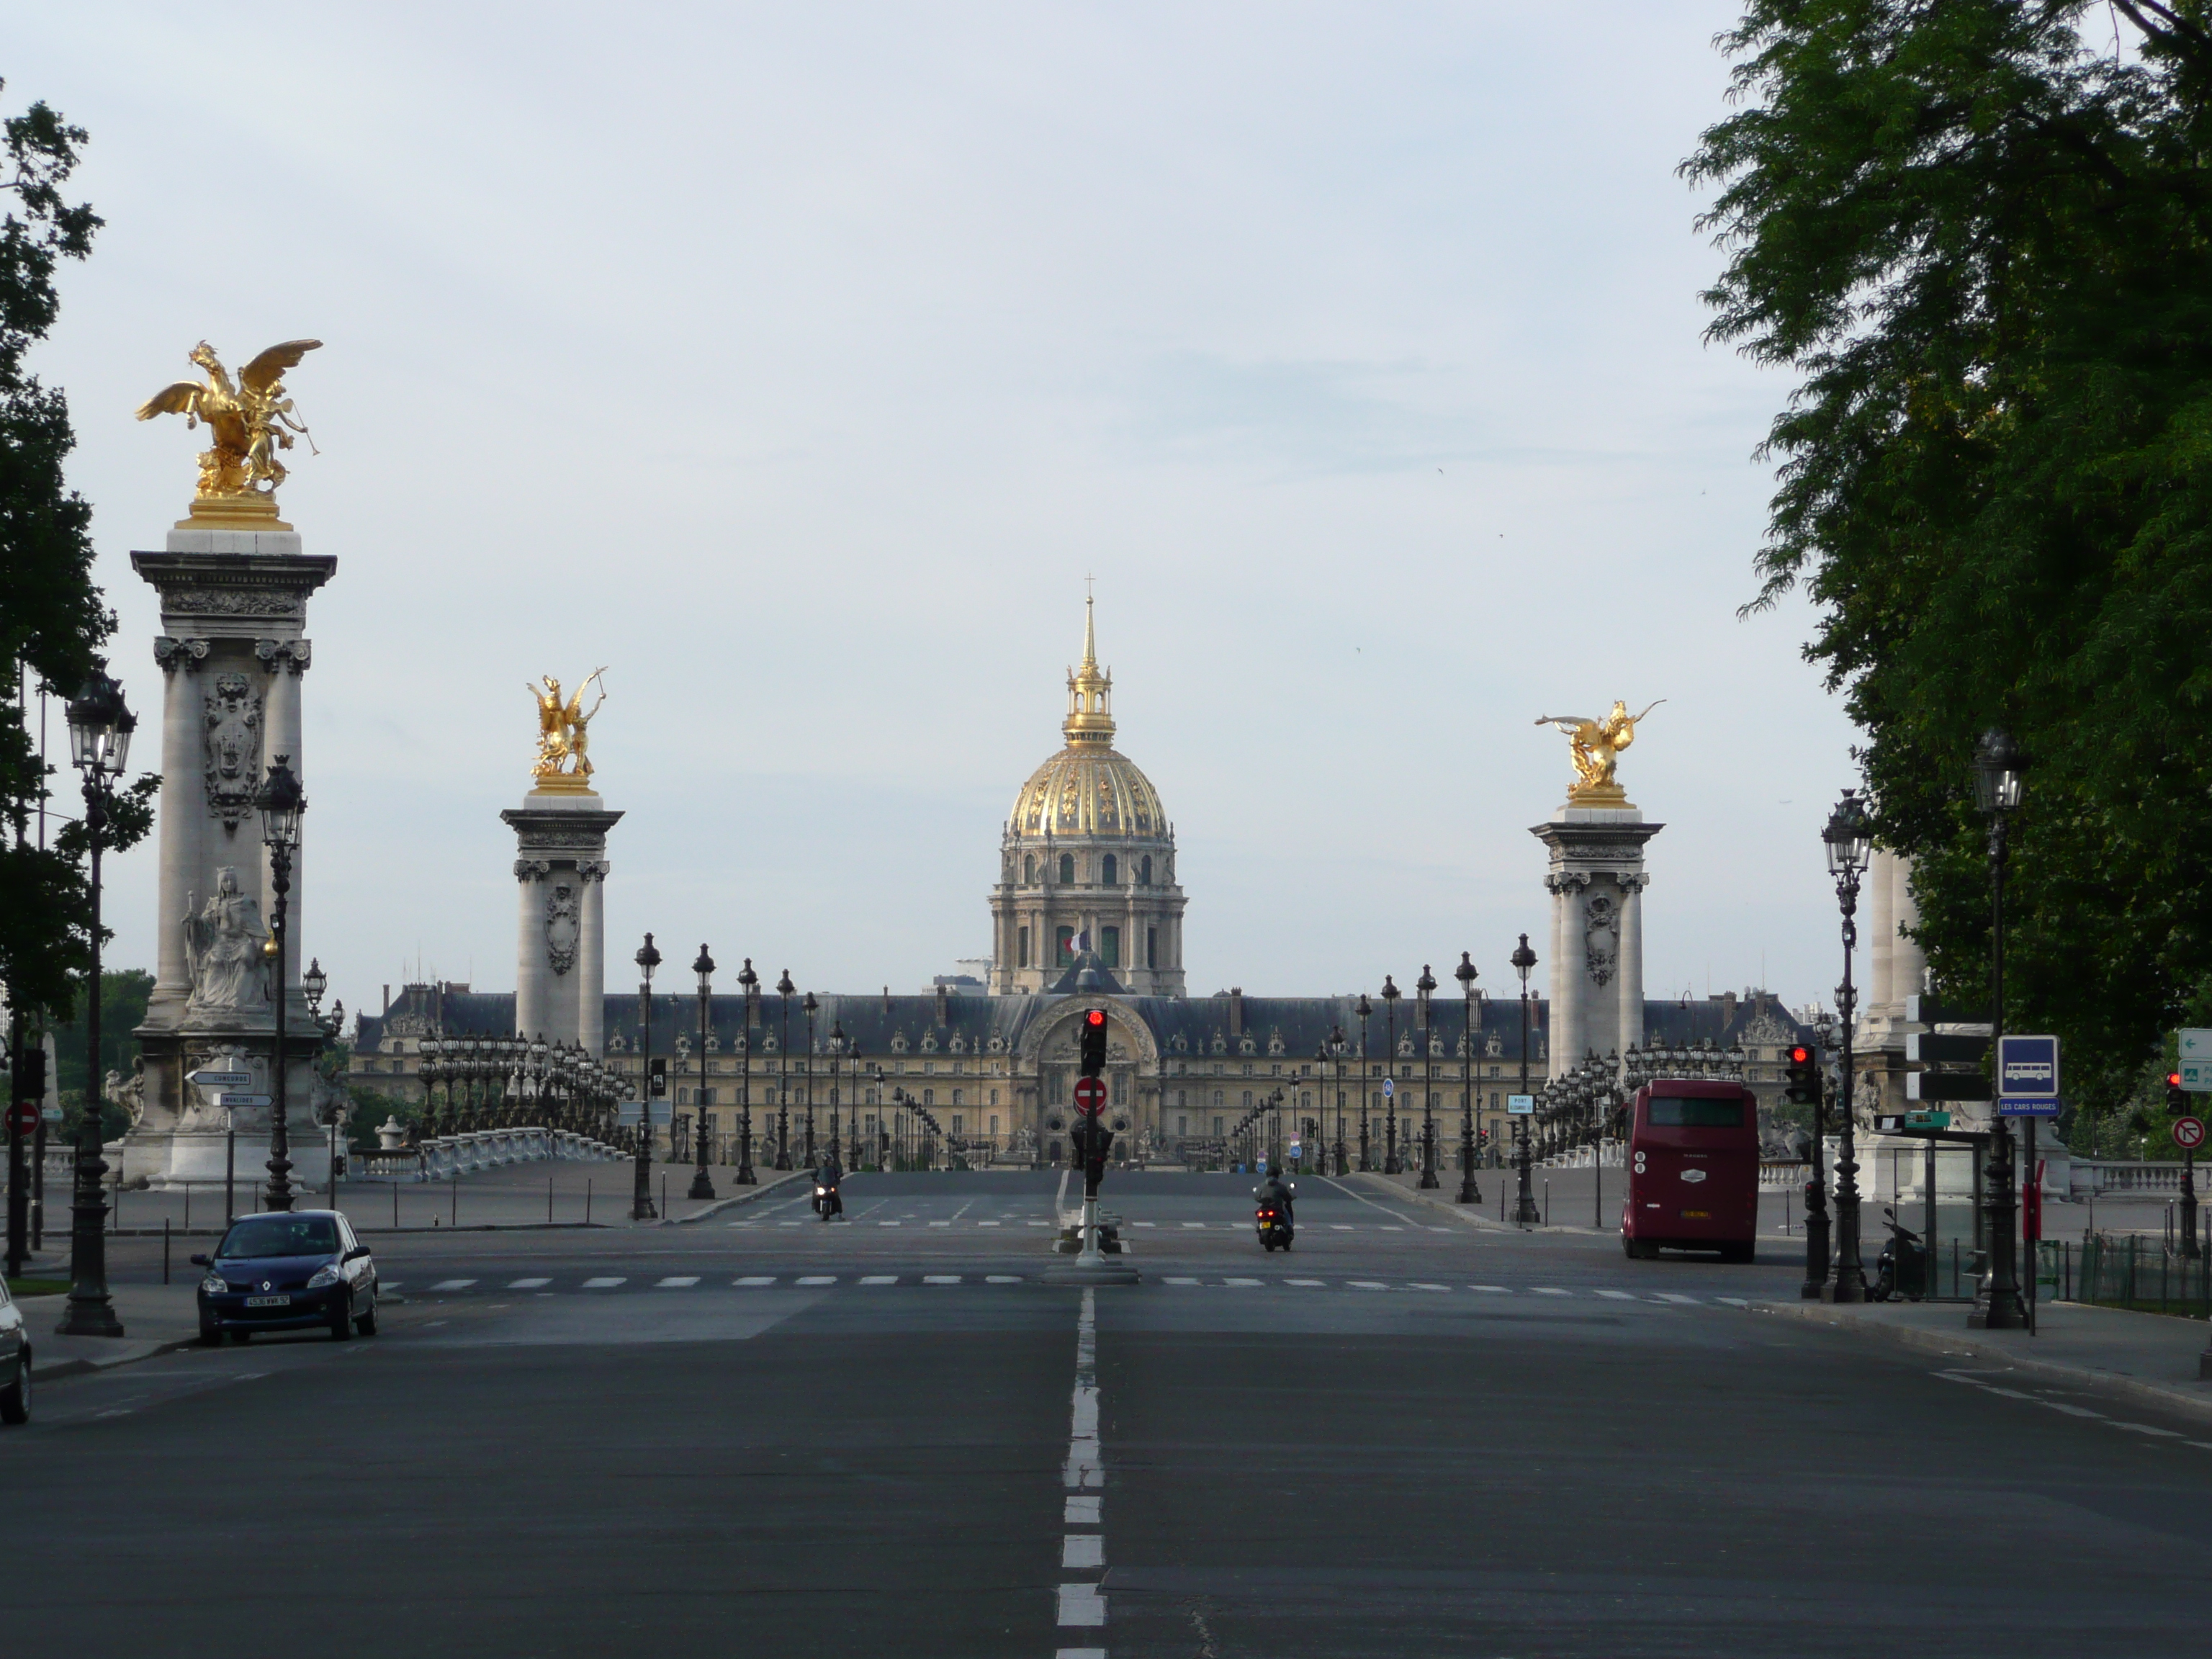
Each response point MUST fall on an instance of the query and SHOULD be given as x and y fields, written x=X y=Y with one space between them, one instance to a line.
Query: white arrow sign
x=220 y=1080
x=227 y=1098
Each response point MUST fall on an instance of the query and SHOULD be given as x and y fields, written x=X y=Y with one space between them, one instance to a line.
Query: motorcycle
x=1901 y=1272
x=827 y=1202
x=1275 y=1227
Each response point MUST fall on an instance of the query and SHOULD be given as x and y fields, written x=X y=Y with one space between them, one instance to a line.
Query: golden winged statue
x=564 y=760
x=249 y=423
x=1596 y=746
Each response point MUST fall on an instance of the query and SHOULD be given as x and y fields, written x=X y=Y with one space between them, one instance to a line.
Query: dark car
x=15 y=1361
x=287 y=1271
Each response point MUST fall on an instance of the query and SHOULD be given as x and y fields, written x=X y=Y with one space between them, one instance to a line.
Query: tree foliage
x=1983 y=239
x=52 y=617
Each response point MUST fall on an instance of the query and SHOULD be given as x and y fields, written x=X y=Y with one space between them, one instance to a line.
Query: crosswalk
x=754 y=1223
x=611 y=1282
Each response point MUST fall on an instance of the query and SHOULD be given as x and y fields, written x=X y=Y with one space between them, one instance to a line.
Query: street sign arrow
x=227 y=1098
x=2189 y=1133
x=220 y=1080
x=2195 y=1058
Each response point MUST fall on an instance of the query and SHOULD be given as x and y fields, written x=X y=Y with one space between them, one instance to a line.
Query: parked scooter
x=1901 y=1272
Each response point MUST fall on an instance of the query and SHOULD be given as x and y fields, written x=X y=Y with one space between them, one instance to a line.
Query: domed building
x=1087 y=860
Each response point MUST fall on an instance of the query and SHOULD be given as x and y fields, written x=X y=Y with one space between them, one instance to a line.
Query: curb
x=1371 y=1182
x=57 y=1369
x=750 y=1195
x=1962 y=1343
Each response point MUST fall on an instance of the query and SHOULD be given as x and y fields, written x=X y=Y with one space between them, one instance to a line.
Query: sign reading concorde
x=2027 y=1076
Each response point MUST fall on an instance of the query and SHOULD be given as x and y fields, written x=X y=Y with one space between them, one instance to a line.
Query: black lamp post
x=703 y=1184
x=640 y=1200
x=1424 y=988
x=1998 y=764
x=1816 y=1182
x=1366 y=1152
x=1390 y=995
x=1525 y=1211
x=1466 y=974
x=855 y=1060
x=784 y=988
x=836 y=1068
x=808 y=1006
x=1849 y=841
x=99 y=725
x=749 y=984
x=281 y=802
x=1336 y=1053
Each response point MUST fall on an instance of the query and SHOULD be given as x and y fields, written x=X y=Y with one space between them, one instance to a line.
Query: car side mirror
x=356 y=1254
x=199 y=1262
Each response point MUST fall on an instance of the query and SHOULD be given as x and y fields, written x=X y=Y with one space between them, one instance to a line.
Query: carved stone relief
x=292 y=654
x=170 y=653
x=234 y=748
x=563 y=927
x=1601 y=937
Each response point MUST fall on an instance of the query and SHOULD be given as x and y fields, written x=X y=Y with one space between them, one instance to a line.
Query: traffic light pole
x=1093 y=1140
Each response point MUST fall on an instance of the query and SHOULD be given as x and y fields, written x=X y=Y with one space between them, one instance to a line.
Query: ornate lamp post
x=784 y=988
x=640 y=1200
x=853 y=1069
x=808 y=1006
x=1366 y=1155
x=99 y=725
x=1466 y=974
x=1424 y=988
x=1335 y=1049
x=749 y=984
x=1998 y=764
x=1390 y=995
x=1524 y=1205
x=836 y=1068
x=1850 y=842
x=281 y=802
x=703 y=1185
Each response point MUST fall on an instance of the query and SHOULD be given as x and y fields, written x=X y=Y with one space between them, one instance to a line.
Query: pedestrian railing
x=1777 y=1174
x=2126 y=1270
x=445 y=1156
x=2102 y=1175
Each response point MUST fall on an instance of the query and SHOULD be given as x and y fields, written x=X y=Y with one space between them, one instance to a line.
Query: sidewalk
x=2150 y=1358
x=157 y=1319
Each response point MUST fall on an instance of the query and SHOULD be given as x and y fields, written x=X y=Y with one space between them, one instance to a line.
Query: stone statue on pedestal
x=223 y=946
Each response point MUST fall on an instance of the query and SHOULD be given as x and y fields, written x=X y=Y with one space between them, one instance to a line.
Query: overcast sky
x=798 y=363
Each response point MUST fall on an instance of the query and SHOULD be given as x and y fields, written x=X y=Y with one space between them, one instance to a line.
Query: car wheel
x=341 y=1319
x=15 y=1398
x=210 y=1334
x=241 y=1337
x=367 y=1323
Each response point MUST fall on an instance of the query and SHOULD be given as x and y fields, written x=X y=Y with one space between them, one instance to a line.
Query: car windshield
x=280 y=1235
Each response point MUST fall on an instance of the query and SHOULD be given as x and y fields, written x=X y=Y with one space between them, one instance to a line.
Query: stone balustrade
x=446 y=1156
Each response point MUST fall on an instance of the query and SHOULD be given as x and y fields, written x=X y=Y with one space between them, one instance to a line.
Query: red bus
x=1692 y=1170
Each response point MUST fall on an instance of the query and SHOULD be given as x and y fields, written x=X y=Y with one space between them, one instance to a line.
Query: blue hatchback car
x=288 y=1271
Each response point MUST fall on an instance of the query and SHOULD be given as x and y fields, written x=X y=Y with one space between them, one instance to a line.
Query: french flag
x=1079 y=944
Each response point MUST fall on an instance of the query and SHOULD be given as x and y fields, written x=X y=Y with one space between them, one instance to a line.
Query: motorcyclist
x=1274 y=1191
x=827 y=1177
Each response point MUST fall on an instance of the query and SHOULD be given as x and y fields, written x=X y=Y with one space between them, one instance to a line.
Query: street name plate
x=2027 y=1108
x=1521 y=1105
x=229 y=1098
x=220 y=1080
x=2195 y=1057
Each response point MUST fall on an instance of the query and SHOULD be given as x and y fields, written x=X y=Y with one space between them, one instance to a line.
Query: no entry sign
x=1091 y=1095
x=23 y=1117
x=2189 y=1133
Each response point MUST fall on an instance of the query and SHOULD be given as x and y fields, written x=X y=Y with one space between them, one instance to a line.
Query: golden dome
x=1088 y=788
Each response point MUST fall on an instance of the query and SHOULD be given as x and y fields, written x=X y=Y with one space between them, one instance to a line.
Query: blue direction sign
x=2027 y=1068
x=1521 y=1105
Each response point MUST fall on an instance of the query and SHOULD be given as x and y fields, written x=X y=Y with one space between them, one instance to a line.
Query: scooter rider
x=827 y=1177
x=1274 y=1191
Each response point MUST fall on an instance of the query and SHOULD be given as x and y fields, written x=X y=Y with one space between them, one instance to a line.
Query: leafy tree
x=1984 y=241
x=53 y=620
x=123 y=994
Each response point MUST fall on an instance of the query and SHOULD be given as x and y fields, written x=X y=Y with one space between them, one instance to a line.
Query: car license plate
x=268 y=1301
x=1687 y=1215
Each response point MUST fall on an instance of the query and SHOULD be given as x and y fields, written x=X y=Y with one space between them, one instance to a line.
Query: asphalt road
x=763 y=1434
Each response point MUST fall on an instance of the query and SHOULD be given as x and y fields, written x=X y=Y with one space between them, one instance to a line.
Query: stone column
x=1596 y=882
x=530 y=969
x=1882 y=934
x=560 y=835
x=180 y=828
x=1908 y=962
x=591 y=959
x=1631 y=1022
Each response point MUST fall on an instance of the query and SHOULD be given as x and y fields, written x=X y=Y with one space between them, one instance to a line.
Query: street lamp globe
x=1850 y=837
x=100 y=725
x=314 y=982
x=704 y=966
x=1998 y=764
x=281 y=801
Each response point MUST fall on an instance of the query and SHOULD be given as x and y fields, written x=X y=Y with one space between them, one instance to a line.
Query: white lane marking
x=941 y=1224
x=529 y=1284
x=452 y=1284
x=1078 y=1653
x=995 y=1223
x=1143 y=1224
x=1547 y=1289
x=889 y=1224
x=1171 y=1279
x=1338 y=1227
x=1241 y=1282
x=1495 y=1289
x=2070 y=1411
x=1082 y=1511
x=757 y=1279
x=790 y=1224
x=678 y=1282
x=2145 y=1428
x=1428 y=1287
x=387 y=1284
x=1082 y=1605
x=880 y=1279
x=1733 y=1301
x=1678 y=1298
x=940 y=1278
x=1309 y=1284
x=1366 y=1284
x=1388 y=1229
x=817 y=1279
x=604 y=1283
x=1002 y=1279
x=1440 y=1230
x=964 y=1209
x=1078 y=1550
x=1615 y=1295
x=1194 y=1224
x=1038 y=1223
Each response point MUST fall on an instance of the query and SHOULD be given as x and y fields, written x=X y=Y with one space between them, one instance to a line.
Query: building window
x=1182 y=1126
x=1217 y=1128
x=1120 y=1088
x=1022 y=947
x=929 y=1097
x=1248 y=1100
x=956 y=1094
x=1068 y=869
x=1109 y=871
x=1151 y=947
x=1144 y=870
x=1067 y=937
x=1217 y=1101
x=994 y=1121
x=994 y=1096
x=956 y=1119
x=1029 y=868
x=1109 y=938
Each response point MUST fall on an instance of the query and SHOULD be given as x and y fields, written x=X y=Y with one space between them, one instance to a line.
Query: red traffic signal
x=1799 y=1054
x=1093 y=1041
x=2177 y=1102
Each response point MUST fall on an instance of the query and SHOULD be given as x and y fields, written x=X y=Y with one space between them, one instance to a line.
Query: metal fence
x=2127 y=1270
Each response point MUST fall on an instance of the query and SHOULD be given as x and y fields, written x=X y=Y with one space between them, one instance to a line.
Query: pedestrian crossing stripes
x=749 y=1223
x=823 y=1282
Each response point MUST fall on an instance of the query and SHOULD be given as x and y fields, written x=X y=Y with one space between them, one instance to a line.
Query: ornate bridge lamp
x=1425 y=989
x=703 y=1185
x=640 y=1203
x=809 y=1006
x=856 y=1061
x=282 y=802
x=99 y=725
x=1998 y=764
x=749 y=985
x=784 y=988
x=1466 y=974
x=1335 y=1047
x=836 y=1073
x=1849 y=841
x=1524 y=1205
x=1390 y=995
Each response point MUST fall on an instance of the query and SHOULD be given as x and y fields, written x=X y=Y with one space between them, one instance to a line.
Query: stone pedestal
x=1898 y=968
x=1596 y=882
x=234 y=651
x=560 y=984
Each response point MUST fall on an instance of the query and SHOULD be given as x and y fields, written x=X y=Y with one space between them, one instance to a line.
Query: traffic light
x=2177 y=1101
x=31 y=1074
x=659 y=1084
x=1094 y=1041
x=1804 y=1075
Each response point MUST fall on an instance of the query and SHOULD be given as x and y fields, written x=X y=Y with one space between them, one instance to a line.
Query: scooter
x=1274 y=1226
x=827 y=1202
x=1901 y=1272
